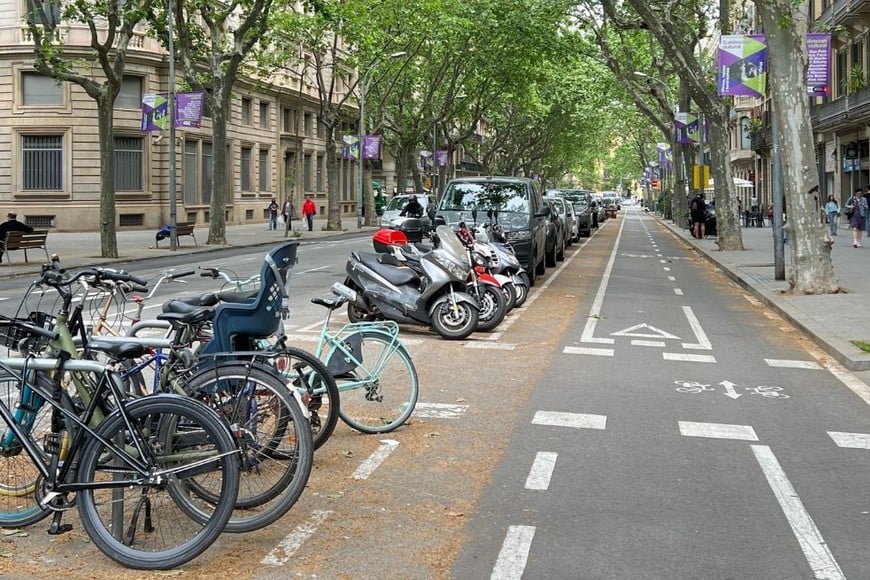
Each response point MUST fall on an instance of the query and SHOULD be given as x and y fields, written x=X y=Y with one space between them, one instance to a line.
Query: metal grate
x=40 y=222
x=129 y=220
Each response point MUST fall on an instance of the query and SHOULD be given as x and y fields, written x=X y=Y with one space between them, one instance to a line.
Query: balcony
x=845 y=111
x=845 y=12
x=760 y=140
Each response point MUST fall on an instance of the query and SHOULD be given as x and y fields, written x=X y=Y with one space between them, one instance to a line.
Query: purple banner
x=681 y=127
x=351 y=147
x=819 y=64
x=188 y=111
x=425 y=160
x=742 y=65
x=441 y=158
x=372 y=147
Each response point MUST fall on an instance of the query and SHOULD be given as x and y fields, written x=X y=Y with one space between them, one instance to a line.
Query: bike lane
x=682 y=432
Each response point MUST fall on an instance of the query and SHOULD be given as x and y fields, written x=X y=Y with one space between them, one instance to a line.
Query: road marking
x=313 y=269
x=595 y=313
x=514 y=554
x=678 y=291
x=292 y=541
x=717 y=431
x=541 y=471
x=815 y=550
x=574 y=420
x=703 y=342
x=683 y=357
x=752 y=300
x=663 y=261
x=589 y=351
x=792 y=364
x=851 y=440
x=374 y=460
x=490 y=345
x=849 y=379
x=658 y=343
x=654 y=332
x=666 y=269
x=439 y=410
x=671 y=279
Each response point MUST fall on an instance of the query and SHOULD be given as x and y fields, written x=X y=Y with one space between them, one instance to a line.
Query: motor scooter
x=434 y=295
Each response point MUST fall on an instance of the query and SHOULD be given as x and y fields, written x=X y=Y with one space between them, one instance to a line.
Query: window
x=264 y=115
x=42 y=162
x=51 y=8
x=128 y=163
x=198 y=168
x=309 y=124
x=320 y=164
x=246 y=111
x=321 y=129
x=246 y=169
x=842 y=75
x=745 y=133
x=288 y=120
x=265 y=170
x=38 y=90
x=130 y=95
x=306 y=172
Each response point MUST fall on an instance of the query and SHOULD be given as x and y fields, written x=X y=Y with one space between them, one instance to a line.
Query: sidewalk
x=82 y=249
x=832 y=320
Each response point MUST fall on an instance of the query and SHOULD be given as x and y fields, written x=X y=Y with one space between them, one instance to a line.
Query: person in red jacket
x=309 y=210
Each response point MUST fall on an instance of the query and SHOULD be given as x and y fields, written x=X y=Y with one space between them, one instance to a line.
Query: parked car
x=515 y=203
x=556 y=233
x=391 y=216
x=580 y=201
x=566 y=212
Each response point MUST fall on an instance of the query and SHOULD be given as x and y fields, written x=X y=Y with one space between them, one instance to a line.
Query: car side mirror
x=440 y=221
x=543 y=211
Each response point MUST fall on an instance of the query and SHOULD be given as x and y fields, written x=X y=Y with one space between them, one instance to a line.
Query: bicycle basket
x=12 y=334
x=345 y=360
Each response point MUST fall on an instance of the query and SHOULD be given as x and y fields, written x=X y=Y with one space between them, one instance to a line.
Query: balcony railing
x=760 y=140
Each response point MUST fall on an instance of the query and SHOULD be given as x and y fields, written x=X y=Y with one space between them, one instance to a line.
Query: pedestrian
x=698 y=210
x=857 y=205
x=832 y=210
x=287 y=212
x=12 y=225
x=273 y=215
x=308 y=211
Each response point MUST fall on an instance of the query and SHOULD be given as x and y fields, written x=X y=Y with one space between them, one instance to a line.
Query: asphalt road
x=640 y=417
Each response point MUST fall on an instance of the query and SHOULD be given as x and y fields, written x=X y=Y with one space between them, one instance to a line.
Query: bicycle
x=132 y=472
x=258 y=406
x=376 y=378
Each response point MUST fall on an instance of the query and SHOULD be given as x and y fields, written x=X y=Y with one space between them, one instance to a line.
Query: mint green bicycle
x=376 y=378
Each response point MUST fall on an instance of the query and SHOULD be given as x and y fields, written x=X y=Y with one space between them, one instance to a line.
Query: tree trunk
x=728 y=232
x=812 y=271
x=333 y=188
x=217 y=229
x=108 y=212
x=369 y=194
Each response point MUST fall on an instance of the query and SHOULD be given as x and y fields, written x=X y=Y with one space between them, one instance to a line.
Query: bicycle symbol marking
x=729 y=389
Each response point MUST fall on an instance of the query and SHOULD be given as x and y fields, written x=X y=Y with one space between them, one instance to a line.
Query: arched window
x=745 y=136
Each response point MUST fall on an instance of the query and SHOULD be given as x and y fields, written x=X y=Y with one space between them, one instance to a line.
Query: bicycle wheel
x=19 y=476
x=316 y=387
x=141 y=525
x=272 y=433
x=380 y=392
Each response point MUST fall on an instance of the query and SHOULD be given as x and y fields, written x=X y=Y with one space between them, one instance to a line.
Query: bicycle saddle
x=331 y=302
x=215 y=298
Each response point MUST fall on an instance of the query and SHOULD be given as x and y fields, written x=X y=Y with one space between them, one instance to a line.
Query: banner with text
x=188 y=111
x=742 y=65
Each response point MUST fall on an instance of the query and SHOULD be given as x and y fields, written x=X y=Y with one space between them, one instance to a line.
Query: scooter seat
x=397 y=275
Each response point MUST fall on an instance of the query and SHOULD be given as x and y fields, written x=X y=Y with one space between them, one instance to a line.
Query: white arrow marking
x=729 y=390
x=654 y=332
x=703 y=342
x=374 y=460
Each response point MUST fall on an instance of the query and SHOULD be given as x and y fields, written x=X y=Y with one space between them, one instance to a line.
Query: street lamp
x=364 y=89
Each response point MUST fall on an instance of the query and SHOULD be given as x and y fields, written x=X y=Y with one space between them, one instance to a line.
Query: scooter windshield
x=450 y=242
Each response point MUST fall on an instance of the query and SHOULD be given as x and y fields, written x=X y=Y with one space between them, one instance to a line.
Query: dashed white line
x=814 y=547
x=374 y=460
x=439 y=410
x=671 y=279
x=678 y=291
x=490 y=345
x=666 y=269
x=292 y=541
x=587 y=350
x=717 y=431
x=514 y=553
x=657 y=343
x=573 y=420
x=792 y=364
x=683 y=357
x=541 y=471
x=851 y=440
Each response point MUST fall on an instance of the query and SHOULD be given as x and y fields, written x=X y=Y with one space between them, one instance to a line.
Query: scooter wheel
x=510 y=295
x=356 y=314
x=454 y=321
x=492 y=309
x=522 y=292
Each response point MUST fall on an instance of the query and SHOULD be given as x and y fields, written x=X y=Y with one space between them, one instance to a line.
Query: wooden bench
x=24 y=241
x=181 y=229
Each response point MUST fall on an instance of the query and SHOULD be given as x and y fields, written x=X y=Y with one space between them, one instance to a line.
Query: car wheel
x=560 y=255
x=550 y=258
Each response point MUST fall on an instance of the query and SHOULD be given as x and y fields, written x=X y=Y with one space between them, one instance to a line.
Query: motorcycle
x=502 y=261
x=434 y=296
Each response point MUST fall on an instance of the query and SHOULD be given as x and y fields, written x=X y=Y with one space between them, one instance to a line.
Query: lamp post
x=364 y=89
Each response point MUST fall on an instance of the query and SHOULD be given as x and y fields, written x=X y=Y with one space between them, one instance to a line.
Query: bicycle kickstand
x=56 y=528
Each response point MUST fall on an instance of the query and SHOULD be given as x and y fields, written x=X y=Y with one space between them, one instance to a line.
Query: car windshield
x=485 y=197
x=399 y=202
